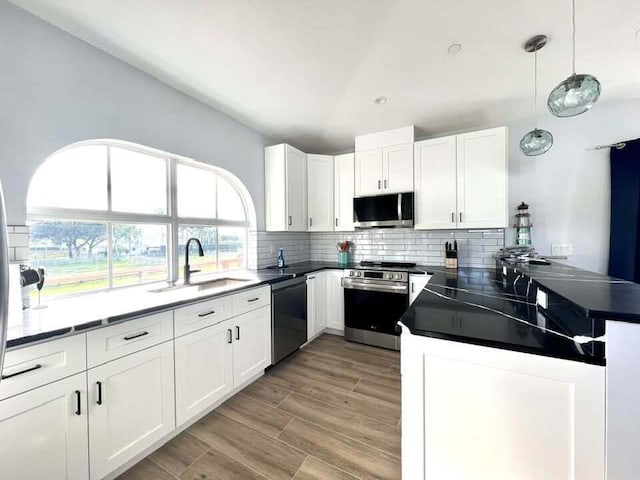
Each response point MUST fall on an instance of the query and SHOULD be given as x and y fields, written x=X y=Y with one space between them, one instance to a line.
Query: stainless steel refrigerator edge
x=288 y=317
x=4 y=280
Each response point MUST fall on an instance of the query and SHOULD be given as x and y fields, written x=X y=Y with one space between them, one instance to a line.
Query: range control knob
x=389 y=275
x=351 y=274
x=358 y=274
x=399 y=276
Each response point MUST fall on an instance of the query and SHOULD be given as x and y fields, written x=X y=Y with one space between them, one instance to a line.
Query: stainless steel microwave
x=393 y=210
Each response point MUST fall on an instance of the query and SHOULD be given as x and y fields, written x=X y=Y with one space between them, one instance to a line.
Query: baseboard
x=334 y=331
x=178 y=430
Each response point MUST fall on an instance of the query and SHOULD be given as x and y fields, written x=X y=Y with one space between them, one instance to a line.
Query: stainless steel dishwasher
x=288 y=317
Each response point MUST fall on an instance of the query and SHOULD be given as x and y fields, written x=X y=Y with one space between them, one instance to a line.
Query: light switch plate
x=562 y=249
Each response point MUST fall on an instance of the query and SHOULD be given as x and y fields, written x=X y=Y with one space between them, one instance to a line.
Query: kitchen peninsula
x=553 y=343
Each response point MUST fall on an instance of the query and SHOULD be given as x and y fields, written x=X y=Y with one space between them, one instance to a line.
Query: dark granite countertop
x=485 y=307
x=599 y=296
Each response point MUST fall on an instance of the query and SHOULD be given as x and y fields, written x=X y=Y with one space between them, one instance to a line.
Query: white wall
x=568 y=188
x=56 y=90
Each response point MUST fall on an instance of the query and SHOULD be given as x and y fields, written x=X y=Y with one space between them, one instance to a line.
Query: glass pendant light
x=579 y=92
x=537 y=141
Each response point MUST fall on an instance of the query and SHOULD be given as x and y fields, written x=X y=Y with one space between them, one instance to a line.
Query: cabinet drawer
x=203 y=314
x=121 y=339
x=34 y=366
x=251 y=300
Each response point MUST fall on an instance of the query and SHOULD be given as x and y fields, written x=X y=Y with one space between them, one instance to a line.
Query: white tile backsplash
x=18 y=243
x=475 y=247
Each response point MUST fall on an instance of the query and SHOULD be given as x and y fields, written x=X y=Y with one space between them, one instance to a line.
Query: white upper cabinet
x=397 y=168
x=384 y=162
x=482 y=179
x=344 y=182
x=435 y=183
x=461 y=181
x=368 y=172
x=320 y=192
x=285 y=188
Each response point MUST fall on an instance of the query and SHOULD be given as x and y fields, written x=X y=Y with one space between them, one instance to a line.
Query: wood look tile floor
x=330 y=411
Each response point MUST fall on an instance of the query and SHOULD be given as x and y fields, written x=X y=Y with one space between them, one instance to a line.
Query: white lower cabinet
x=479 y=413
x=251 y=344
x=335 y=299
x=316 y=304
x=198 y=385
x=43 y=432
x=131 y=406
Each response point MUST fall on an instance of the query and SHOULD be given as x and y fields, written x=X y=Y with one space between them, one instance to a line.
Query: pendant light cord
x=535 y=89
x=573 y=38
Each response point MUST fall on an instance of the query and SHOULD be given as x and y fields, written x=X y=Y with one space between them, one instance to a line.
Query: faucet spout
x=187 y=268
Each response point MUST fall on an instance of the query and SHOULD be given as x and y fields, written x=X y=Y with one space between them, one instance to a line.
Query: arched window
x=113 y=214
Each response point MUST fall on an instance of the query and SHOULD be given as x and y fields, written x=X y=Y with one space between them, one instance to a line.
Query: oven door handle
x=369 y=287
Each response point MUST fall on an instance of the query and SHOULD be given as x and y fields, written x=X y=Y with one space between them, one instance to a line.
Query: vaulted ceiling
x=308 y=71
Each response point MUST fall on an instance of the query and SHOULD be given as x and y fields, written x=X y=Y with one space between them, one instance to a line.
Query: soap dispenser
x=281 y=258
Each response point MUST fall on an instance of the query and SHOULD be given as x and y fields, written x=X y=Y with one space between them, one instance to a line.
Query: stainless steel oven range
x=375 y=297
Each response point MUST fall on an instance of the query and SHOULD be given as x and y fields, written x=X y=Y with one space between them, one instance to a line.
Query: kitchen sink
x=203 y=286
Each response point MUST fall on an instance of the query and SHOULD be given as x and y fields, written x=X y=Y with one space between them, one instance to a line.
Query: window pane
x=73 y=254
x=230 y=205
x=139 y=254
x=196 y=192
x=74 y=178
x=208 y=238
x=231 y=248
x=138 y=182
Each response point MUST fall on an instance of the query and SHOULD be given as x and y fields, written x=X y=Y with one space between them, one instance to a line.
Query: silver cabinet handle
x=453 y=217
x=385 y=184
x=206 y=314
x=289 y=220
x=379 y=184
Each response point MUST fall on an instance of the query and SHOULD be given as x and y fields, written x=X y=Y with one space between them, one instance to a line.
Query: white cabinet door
x=482 y=179
x=296 y=175
x=204 y=369
x=335 y=300
x=344 y=182
x=275 y=167
x=320 y=192
x=43 y=432
x=486 y=401
x=368 y=172
x=435 y=184
x=251 y=344
x=131 y=406
x=416 y=284
x=397 y=166
x=312 y=300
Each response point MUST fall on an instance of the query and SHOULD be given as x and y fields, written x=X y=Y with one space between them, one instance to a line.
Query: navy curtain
x=624 y=250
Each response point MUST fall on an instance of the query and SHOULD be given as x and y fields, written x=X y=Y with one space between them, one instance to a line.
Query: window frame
x=171 y=219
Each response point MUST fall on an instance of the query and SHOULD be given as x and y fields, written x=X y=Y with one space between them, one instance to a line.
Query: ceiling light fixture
x=537 y=141
x=454 y=48
x=578 y=93
x=381 y=100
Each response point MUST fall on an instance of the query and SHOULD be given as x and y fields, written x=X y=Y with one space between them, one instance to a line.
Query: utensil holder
x=343 y=258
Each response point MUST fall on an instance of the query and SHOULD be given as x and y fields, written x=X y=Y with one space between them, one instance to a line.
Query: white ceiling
x=307 y=71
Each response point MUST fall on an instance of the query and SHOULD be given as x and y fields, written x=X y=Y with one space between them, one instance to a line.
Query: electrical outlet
x=562 y=249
